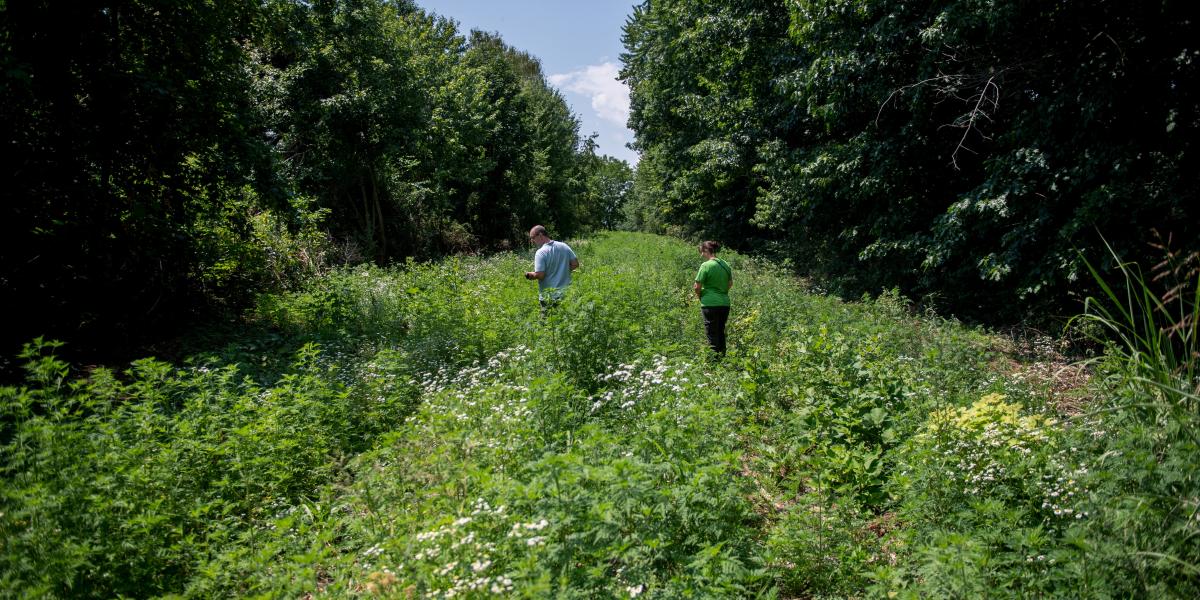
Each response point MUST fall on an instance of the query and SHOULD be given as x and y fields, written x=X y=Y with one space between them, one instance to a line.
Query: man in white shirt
x=552 y=266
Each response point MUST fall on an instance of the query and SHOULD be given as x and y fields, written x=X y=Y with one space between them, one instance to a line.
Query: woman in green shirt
x=712 y=286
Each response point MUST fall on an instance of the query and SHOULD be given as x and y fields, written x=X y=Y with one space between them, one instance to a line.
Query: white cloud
x=610 y=97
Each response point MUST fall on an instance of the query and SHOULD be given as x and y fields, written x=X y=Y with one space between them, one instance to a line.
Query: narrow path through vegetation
x=421 y=432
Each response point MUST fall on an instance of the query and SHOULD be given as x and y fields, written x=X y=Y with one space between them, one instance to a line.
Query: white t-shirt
x=553 y=259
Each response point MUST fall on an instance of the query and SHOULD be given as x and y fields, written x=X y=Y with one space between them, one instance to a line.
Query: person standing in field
x=552 y=266
x=713 y=282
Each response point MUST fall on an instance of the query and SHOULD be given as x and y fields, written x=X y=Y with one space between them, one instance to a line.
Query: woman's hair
x=710 y=246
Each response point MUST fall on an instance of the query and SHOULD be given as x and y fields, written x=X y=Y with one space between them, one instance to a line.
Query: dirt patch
x=1043 y=362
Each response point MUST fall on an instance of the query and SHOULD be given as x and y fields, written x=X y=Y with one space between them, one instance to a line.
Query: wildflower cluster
x=478 y=374
x=1062 y=488
x=987 y=444
x=481 y=395
x=484 y=413
x=527 y=532
x=633 y=384
x=457 y=559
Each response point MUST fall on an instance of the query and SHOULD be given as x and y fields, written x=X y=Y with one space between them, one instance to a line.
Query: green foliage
x=133 y=158
x=175 y=159
x=118 y=487
x=610 y=187
x=1002 y=501
x=916 y=146
x=823 y=546
x=1144 y=528
x=422 y=430
x=418 y=140
x=1156 y=335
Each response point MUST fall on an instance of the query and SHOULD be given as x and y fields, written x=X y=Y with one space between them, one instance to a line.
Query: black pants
x=714 y=326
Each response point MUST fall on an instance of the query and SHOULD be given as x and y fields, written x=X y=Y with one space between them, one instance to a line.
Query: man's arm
x=539 y=265
x=696 y=286
x=574 y=264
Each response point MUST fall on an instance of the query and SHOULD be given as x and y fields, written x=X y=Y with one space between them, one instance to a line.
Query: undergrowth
x=420 y=431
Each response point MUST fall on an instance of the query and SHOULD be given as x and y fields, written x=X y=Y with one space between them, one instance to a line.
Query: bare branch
x=975 y=114
x=910 y=86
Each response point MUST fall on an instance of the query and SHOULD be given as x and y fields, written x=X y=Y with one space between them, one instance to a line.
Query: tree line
x=973 y=154
x=166 y=158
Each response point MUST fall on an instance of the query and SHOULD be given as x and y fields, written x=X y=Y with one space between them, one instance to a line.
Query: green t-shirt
x=714 y=276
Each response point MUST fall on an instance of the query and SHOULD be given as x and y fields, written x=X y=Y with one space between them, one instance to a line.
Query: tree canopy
x=166 y=159
x=971 y=153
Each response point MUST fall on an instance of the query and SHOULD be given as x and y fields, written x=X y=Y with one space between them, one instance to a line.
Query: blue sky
x=579 y=44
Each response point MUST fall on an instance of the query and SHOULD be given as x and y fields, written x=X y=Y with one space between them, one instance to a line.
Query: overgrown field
x=420 y=432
